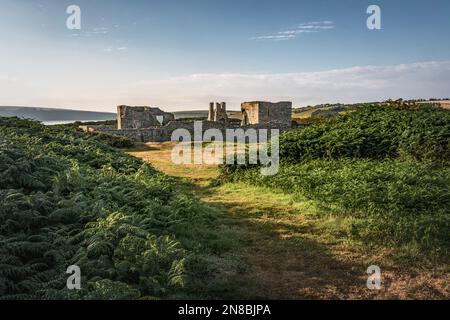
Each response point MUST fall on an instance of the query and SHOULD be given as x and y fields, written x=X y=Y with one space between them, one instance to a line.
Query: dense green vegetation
x=69 y=198
x=113 y=141
x=373 y=132
x=383 y=169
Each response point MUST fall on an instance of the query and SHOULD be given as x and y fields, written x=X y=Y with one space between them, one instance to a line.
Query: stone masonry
x=260 y=112
x=148 y=124
x=219 y=113
x=141 y=117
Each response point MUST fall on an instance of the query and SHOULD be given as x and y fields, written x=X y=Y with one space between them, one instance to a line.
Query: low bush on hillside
x=392 y=201
x=114 y=141
x=386 y=168
x=69 y=198
x=373 y=132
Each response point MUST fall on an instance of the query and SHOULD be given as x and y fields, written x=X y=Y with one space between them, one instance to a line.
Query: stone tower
x=211 y=112
x=219 y=113
x=260 y=112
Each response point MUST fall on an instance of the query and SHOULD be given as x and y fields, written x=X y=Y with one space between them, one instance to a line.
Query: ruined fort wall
x=250 y=112
x=135 y=118
x=164 y=133
x=280 y=112
x=141 y=117
x=143 y=124
x=260 y=112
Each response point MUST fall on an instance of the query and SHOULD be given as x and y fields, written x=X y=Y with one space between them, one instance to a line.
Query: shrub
x=384 y=167
x=373 y=132
x=69 y=198
x=400 y=202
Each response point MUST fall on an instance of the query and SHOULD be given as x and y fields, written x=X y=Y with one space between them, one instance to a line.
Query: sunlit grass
x=288 y=247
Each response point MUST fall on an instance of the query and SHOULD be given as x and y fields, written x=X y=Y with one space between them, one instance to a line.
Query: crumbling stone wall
x=141 y=117
x=219 y=113
x=261 y=112
x=164 y=133
x=146 y=124
x=250 y=113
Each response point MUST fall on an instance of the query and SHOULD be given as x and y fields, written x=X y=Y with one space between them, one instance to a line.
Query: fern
x=67 y=198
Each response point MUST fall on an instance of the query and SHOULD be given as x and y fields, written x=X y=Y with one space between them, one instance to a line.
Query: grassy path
x=290 y=253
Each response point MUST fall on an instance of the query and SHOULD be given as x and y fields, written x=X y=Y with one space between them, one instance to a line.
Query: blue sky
x=182 y=54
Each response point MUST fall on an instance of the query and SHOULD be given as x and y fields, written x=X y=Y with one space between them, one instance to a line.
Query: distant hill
x=66 y=115
x=332 y=110
x=50 y=114
x=326 y=110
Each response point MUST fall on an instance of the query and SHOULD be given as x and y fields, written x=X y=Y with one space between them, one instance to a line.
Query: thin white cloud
x=356 y=84
x=277 y=37
x=7 y=78
x=195 y=91
x=292 y=33
x=98 y=31
x=111 y=49
x=317 y=23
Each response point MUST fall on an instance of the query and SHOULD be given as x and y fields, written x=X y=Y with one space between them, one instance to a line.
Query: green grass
x=288 y=247
x=389 y=202
x=308 y=232
x=383 y=169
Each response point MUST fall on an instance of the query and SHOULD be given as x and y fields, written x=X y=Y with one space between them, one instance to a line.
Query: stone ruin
x=260 y=112
x=151 y=124
x=219 y=113
x=141 y=117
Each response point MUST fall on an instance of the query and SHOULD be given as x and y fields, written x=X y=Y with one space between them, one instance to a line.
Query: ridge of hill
x=53 y=114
